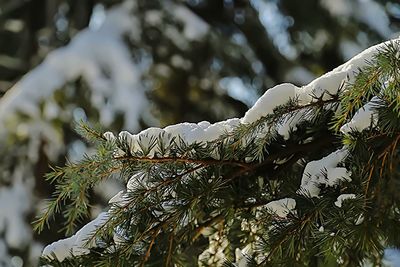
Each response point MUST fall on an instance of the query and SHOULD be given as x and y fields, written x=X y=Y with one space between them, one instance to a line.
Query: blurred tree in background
x=160 y=63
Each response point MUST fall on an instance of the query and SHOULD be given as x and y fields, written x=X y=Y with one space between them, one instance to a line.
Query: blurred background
x=135 y=64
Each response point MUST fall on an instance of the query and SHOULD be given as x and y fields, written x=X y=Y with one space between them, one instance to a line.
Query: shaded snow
x=343 y=197
x=100 y=56
x=194 y=27
x=15 y=206
x=281 y=207
x=324 y=172
x=77 y=244
x=90 y=54
x=364 y=118
x=369 y=12
x=391 y=257
x=214 y=254
x=191 y=133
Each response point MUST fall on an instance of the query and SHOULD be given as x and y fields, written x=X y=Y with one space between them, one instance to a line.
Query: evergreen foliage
x=246 y=46
x=207 y=203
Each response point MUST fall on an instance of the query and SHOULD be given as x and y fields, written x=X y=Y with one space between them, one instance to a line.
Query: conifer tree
x=182 y=60
x=308 y=177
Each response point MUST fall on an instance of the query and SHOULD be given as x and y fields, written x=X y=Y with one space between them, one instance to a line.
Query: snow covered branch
x=328 y=171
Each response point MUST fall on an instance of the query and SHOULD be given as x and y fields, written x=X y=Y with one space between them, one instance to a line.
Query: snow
x=153 y=17
x=109 y=136
x=101 y=57
x=75 y=245
x=359 y=220
x=327 y=171
x=391 y=257
x=214 y=254
x=290 y=122
x=117 y=198
x=343 y=197
x=134 y=182
x=194 y=27
x=272 y=98
x=322 y=87
x=369 y=12
x=15 y=206
x=324 y=171
x=190 y=133
x=89 y=54
x=281 y=207
x=364 y=118
x=240 y=258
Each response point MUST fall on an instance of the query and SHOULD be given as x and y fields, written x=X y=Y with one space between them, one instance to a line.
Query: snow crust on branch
x=364 y=118
x=281 y=207
x=343 y=197
x=321 y=88
x=77 y=244
x=325 y=171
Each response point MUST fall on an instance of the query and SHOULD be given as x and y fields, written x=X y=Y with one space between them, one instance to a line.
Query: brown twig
x=169 y=254
x=148 y=252
x=199 y=230
x=186 y=160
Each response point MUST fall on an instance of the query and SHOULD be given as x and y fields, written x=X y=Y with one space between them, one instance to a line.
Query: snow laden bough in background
x=90 y=54
x=323 y=87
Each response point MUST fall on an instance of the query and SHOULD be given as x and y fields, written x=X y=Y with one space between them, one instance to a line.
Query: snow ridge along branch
x=177 y=177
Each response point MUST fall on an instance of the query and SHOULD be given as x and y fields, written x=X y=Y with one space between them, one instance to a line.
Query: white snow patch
x=190 y=133
x=77 y=244
x=109 y=136
x=117 y=198
x=359 y=220
x=369 y=12
x=391 y=257
x=290 y=122
x=214 y=255
x=281 y=207
x=15 y=206
x=134 y=182
x=324 y=172
x=194 y=27
x=90 y=54
x=240 y=256
x=343 y=197
x=365 y=117
x=281 y=94
x=272 y=98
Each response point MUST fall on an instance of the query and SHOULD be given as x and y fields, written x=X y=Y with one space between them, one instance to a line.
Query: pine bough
x=308 y=177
